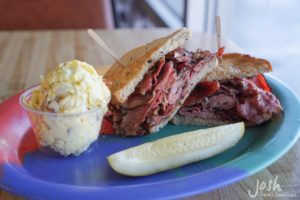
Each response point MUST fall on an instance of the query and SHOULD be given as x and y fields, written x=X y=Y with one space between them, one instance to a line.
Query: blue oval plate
x=27 y=172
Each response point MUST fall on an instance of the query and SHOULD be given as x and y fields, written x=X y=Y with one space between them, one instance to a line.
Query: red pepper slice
x=203 y=89
x=221 y=51
x=261 y=82
x=106 y=127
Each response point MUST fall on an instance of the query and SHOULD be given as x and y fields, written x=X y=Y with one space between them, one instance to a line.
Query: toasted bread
x=198 y=121
x=238 y=65
x=137 y=62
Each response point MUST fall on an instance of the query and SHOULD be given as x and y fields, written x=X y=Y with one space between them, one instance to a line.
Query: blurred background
x=263 y=28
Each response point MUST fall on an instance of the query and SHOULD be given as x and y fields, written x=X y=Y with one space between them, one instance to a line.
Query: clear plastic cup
x=66 y=134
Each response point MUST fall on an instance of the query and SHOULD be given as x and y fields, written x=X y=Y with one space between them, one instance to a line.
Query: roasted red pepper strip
x=261 y=82
x=106 y=127
x=221 y=51
x=203 y=89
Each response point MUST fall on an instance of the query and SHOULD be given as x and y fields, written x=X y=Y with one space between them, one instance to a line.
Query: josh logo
x=269 y=189
x=261 y=187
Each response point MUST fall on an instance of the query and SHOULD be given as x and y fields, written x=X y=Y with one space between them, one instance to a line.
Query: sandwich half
x=235 y=91
x=154 y=82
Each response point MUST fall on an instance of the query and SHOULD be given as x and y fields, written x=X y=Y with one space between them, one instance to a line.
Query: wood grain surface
x=25 y=55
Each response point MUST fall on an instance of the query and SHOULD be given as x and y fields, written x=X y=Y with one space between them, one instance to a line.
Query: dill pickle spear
x=177 y=150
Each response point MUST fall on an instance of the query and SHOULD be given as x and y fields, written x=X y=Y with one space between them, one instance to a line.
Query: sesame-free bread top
x=238 y=65
x=138 y=61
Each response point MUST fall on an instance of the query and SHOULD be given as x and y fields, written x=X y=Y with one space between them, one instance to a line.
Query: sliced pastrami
x=157 y=95
x=238 y=99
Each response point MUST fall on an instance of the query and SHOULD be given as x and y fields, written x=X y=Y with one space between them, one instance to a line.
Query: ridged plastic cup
x=66 y=134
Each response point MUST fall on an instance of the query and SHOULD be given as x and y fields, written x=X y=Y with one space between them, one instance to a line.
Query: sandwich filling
x=160 y=92
x=239 y=99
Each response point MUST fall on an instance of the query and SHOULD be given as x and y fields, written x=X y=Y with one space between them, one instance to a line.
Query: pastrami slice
x=162 y=91
x=237 y=99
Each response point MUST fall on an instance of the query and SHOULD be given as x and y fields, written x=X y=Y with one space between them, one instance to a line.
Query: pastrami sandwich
x=235 y=91
x=154 y=82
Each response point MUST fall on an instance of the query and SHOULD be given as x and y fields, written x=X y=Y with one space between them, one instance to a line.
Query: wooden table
x=26 y=55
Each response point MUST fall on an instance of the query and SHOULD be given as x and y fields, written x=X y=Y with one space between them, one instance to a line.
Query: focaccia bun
x=238 y=65
x=208 y=67
x=138 y=61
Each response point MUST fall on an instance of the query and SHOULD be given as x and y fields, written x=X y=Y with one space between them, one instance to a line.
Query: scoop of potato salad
x=71 y=87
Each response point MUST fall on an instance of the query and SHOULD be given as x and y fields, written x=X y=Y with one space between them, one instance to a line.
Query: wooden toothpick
x=102 y=44
x=218 y=31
